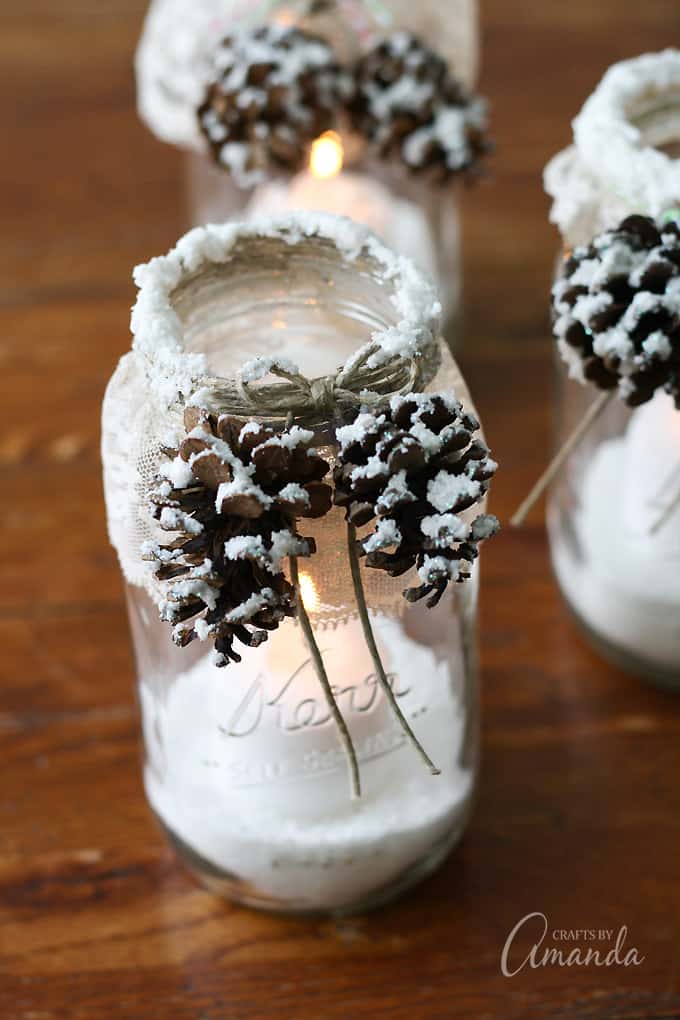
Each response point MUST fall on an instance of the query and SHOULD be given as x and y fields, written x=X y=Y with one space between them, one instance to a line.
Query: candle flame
x=285 y=18
x=327 y=155
x=308 y=593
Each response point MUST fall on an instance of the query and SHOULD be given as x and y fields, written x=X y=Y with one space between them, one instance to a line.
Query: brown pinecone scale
x=230 y=494
x=276 y=89
x=616 y=309
x=409 y=104
x=414 y=468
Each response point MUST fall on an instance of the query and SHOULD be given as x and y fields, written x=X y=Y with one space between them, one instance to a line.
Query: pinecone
x=411 y=106
x=232 y=493
x=616 y=309
x=277 y=89
x=416 y=467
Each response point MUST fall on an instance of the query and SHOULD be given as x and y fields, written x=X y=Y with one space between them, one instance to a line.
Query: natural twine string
x=357 y=384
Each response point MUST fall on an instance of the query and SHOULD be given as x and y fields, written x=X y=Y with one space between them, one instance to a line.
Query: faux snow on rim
x=158 y=333
x=611 y=170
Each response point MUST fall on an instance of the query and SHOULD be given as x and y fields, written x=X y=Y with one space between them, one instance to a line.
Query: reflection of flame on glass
x=327 y=154
x=308 y=593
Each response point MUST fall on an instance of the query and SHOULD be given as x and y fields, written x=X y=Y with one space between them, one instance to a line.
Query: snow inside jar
x=313 y=520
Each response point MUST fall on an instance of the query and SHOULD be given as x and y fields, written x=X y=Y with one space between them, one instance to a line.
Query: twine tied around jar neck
x=356 y=384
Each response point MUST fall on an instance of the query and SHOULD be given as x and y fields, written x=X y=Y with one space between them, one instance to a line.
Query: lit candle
x=325 y=186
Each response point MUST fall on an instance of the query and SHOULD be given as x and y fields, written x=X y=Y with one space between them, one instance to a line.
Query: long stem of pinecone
x=375 y=654
x=325 y=684
x=667 y=512
x=557 y=463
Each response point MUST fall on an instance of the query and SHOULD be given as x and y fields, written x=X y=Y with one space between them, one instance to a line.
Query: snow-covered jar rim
x=614 y=167
x=394 y=359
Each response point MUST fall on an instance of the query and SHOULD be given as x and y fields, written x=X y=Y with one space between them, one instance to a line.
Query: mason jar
x=410 y=212
x=614 y=512
x=243 y=765
x=614 y=531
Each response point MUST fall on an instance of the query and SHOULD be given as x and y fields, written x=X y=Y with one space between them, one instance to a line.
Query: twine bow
x=357 y=383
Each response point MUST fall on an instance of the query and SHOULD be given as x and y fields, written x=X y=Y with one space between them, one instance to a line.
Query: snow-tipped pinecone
x=409 y=104
x=616 y=309
x=276 y=89
x=231 y=494
x=416 y=467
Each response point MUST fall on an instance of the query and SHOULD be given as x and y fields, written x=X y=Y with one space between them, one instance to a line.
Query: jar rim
x=394 y=352
x=612 y=168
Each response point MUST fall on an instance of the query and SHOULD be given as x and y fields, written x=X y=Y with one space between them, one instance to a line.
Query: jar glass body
x=243 y=765
x=615 y=557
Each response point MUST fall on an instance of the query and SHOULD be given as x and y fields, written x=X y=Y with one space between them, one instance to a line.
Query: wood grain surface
x=579 y=810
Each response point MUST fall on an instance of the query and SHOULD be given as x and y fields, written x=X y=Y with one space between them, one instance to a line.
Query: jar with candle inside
x=614 y=512
x=297 y=501
x=361 y=109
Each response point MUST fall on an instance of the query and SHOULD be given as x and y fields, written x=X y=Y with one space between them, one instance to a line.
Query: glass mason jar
x=243 y=765
x=615 y=533
x=614 y=528
x=411 y=214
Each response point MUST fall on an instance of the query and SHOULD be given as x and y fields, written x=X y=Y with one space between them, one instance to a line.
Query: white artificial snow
x=396 y=493
x=246 y=610
x=258 y=368
x=619 y=575
x=445 y=490
x=177 y=471
x=612 y=170
x=185 y=589
x=283 y=545
x=158 y=333
x=176 y=520
x=294 y=493
x=386 y=534
x=244 y=547
x=444 y=528
x=265 y=798
x=439 y=568
x=363 y=426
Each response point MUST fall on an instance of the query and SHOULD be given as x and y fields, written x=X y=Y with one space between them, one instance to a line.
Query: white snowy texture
x=615 y=258
x=615 y=166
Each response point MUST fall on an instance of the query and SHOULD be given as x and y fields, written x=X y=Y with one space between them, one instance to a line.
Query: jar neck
x=658 y=119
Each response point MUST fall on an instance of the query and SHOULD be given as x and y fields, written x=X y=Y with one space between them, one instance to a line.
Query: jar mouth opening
x=309 y=284
x=305 y=302
x=657 y=117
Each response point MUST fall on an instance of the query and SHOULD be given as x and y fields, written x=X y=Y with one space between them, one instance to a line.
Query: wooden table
x=579 y=811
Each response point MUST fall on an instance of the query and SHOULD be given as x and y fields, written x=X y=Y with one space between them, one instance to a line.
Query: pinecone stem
x=666 y=513
x=596 y=409
x=325 y=683
x=386 y=686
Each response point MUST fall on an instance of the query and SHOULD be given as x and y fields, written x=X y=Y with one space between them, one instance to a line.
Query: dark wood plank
x=579 y=813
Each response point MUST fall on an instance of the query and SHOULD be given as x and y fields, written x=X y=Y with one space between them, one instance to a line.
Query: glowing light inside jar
x=308 y=593
x=326 y=157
